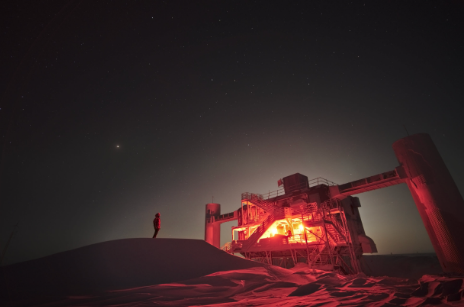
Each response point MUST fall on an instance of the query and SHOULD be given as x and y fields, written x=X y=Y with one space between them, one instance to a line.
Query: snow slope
x=115 y=265
x=167 y=272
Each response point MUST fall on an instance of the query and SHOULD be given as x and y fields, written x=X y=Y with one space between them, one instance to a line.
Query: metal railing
x=227 y=247
x=281 y=191
x=320 y=180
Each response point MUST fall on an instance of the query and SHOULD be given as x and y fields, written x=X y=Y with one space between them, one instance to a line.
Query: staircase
x=258 y=200
x=335 y=232
x=258 y=233
x=333 y=228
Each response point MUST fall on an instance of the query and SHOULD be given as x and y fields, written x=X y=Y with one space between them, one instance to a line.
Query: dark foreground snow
x=170 y=272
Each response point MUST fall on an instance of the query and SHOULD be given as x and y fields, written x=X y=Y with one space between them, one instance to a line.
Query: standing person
x=157 y=224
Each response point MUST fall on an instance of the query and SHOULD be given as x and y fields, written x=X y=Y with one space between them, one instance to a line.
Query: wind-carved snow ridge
x=274 y=286
x=233 y=282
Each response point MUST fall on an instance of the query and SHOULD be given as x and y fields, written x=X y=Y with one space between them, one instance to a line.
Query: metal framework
x=331 y=233
x=311 y=233
x=299 y=223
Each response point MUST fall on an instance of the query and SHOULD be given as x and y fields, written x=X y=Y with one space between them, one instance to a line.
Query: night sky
x=112 y=111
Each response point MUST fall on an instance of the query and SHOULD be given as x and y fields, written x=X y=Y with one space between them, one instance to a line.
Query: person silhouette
x=156 y=224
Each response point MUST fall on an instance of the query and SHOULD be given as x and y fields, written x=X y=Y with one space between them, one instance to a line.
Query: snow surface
x=177 y=272
x=404 y=266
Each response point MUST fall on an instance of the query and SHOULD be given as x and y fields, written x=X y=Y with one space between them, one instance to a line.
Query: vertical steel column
x=212 y=228
x=437 y=198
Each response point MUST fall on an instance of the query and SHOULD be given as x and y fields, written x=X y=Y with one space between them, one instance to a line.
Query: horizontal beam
x=371 y=183
x=227 y=217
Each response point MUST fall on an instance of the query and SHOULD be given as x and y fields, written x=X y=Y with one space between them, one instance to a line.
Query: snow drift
x=177 y=272
x=117 y=264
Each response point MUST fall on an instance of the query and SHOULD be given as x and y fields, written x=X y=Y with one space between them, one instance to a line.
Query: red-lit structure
x=300 y=222
x=318 y=222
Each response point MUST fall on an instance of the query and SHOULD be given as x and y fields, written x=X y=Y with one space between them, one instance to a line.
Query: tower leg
x=437 y=198
x=213 y=234
x=213 y=228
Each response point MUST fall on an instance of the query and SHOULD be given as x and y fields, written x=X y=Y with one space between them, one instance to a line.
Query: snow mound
x=118 y=264
x=436 y=289
x=177 y=272
x=274 y=286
